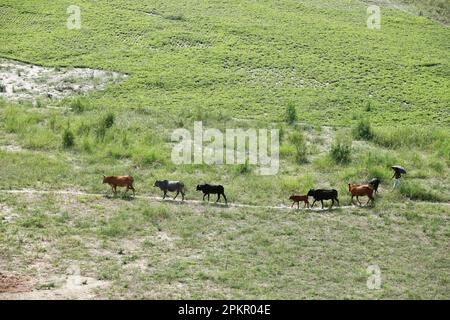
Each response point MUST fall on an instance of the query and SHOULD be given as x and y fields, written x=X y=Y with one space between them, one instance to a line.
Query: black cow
x=207 y=189
x=172 y=186
x=374 y=183
x=323 y=194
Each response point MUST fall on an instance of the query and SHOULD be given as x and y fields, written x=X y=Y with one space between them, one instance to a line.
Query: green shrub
x=244 y=168
x=108 y=120
x=341 y=149
x=291 y=114
x=105 y=123
x=100 y=132
x=363 y=130
x=78 y=105
x=299 y=142
x=68 y=139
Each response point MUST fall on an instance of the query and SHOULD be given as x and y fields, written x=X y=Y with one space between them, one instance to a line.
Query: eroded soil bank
x=22 y=81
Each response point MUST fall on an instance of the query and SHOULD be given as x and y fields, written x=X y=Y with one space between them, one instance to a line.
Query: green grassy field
x=231 y=64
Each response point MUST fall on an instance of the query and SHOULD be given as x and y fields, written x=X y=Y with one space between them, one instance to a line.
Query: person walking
x=398 y=171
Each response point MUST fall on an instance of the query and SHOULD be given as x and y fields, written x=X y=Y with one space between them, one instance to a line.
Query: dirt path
x=194 y=202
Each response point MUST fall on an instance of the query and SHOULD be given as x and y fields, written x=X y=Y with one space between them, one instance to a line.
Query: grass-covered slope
x=247 y=58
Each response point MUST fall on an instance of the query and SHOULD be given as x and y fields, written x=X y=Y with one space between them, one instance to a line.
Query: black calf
x=207 y=189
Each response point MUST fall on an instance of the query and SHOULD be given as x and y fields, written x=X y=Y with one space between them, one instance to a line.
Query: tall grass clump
x=291 y=114
x=341 y=149
x=18 y=121
x=68 y=139
x=78 y=105
x=415 y=191
x=103 y=125
x=410 y=136
x=363 y=130
x=244 y=168
x=108 y=120
x=298 y=141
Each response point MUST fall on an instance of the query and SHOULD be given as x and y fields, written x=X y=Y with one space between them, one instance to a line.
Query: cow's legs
x=218 y=197
x=204 y=195
x=314 y=202
x=298 y=205
x=292 y=204
x=223 y=195
x=176 y=195
x=357 y=198
x=322 y=203
x=165 y=194
x=182 y=196
x=208 y=197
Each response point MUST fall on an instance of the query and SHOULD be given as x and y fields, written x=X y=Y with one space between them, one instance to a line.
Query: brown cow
x=360 y=190
x=297 y=198
x=119 y=181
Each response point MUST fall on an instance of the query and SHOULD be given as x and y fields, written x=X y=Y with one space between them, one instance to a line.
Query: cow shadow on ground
x=173 y=201
x=201 y=203
x=318 y=210
x=121 y=196
x=215 y=204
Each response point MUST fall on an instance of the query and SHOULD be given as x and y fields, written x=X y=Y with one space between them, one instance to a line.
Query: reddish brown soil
x=12 y=283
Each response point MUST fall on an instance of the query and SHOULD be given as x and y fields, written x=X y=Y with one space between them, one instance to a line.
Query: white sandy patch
x=22 y=81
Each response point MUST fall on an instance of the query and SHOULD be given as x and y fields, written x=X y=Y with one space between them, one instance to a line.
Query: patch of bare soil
x=13 y=284
x=6 y=214
x=11 y=148
x=81 y=288
x=22 y=81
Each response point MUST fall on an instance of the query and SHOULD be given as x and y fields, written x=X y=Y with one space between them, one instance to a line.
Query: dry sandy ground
x=21 y=81
x=14 y=287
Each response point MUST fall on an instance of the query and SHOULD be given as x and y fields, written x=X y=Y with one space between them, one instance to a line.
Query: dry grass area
x=136 y=249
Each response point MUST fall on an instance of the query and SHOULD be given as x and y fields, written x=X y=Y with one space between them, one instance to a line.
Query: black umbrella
x=399 y=169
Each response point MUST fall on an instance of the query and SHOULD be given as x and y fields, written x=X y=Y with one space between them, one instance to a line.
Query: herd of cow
x=356 y=190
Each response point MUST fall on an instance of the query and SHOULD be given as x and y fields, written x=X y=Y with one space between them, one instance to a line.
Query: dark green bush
x=291 y=114
x=68 y=139
x=108 y=120
x=341 y=150
x=363 y=130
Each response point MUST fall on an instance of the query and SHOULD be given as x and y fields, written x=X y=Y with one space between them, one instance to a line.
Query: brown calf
x=119 y=181
x=361 y=190
x=297 y=199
